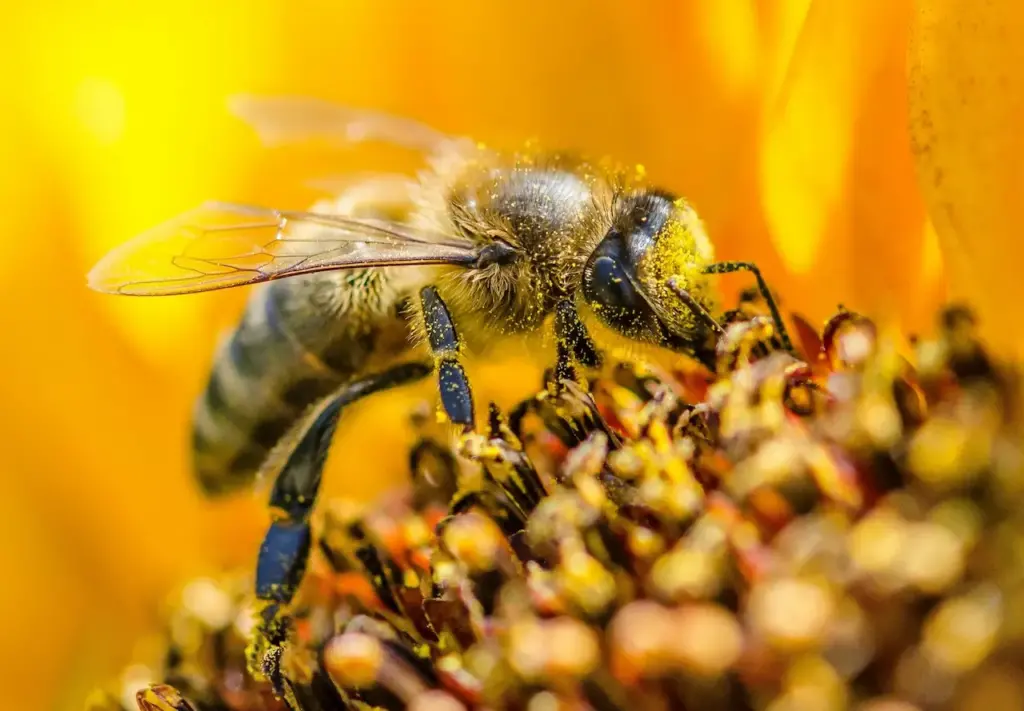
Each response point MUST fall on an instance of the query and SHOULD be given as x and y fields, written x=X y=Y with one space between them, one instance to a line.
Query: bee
x=398 y=278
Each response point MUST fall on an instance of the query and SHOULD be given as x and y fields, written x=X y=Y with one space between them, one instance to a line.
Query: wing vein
x=218 y=246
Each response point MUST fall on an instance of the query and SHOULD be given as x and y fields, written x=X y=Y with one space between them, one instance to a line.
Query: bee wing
x=221 y=245
x=283 y=119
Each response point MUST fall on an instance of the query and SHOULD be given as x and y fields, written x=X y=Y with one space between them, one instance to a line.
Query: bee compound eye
x=608 y=285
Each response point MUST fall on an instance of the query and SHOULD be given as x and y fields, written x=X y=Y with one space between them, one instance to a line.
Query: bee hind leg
x=285 y=548
x=284 y=552
x=762 y=287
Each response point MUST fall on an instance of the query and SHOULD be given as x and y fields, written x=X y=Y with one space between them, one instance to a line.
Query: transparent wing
x=283 y=119
x=221 y=245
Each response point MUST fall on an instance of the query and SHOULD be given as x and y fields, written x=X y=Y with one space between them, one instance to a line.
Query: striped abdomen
x=299 y=340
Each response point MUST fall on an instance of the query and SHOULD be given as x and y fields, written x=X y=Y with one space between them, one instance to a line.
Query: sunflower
x=864 y=153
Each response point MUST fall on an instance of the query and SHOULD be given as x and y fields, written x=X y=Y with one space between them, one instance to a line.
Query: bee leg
x=284 y=552
x=574 y=344
x=456 y=395
x=285 y=549
x=766 y=294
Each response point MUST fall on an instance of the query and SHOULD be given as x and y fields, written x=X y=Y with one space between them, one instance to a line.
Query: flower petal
x=839 y=190
x=967 y=111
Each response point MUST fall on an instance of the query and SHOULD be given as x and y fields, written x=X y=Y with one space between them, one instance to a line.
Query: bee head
x=654 y=237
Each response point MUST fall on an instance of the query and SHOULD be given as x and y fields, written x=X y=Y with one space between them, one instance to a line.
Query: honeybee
x=400 y=277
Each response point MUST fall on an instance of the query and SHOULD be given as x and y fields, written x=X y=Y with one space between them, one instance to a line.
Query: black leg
x=570 y=330
x=456 y=395
x=285 y=550
x=564 y=369
x=729 y=267
x=573 y=343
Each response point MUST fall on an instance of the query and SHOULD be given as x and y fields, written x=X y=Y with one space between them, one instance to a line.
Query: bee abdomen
x=290 y=350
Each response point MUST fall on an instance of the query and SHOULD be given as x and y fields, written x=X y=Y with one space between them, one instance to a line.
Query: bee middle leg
x=446 y=347
x=285 y=549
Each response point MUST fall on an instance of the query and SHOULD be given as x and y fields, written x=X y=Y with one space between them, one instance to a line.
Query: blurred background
x=784 y=121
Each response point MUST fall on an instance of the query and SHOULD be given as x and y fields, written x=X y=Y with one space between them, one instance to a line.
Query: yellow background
x=785 y=122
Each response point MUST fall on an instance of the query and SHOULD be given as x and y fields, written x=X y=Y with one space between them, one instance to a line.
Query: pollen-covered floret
x=836 y=528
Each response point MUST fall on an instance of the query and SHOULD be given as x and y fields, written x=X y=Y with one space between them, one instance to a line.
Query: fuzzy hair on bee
x=533 y=219
x=402 y=277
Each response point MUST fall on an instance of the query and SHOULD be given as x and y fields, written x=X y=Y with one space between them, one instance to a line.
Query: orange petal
x=967 y=109
x=839 y=189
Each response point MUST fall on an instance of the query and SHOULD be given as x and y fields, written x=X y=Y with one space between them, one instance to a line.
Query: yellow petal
x=967 y=110
x=840 y=194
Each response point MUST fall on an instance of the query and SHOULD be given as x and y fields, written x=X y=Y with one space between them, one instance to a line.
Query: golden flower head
x=827 y=528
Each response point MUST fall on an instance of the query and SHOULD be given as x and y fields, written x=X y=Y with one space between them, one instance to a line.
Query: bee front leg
x=762 y=287
x=446 y=347
x=574 y=344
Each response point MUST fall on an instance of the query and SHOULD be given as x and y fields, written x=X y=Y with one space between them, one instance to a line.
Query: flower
x=832 y=528
x=784 y=123
x=966 y=97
